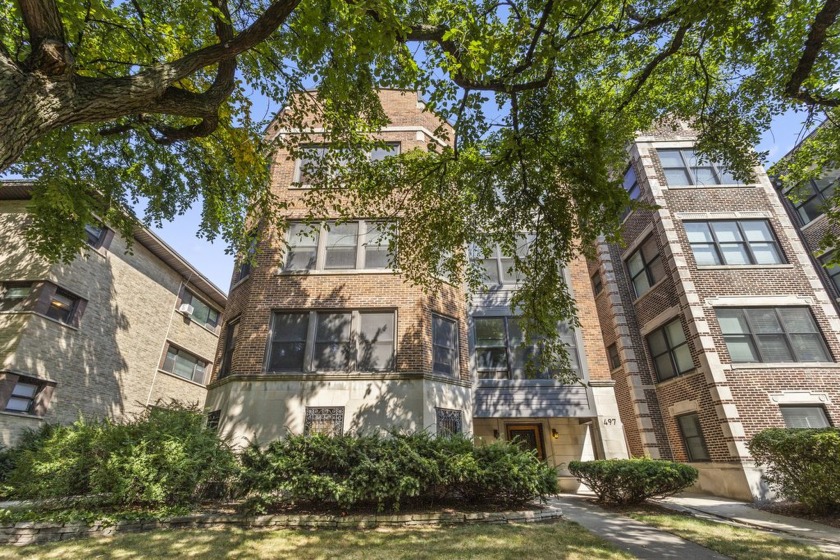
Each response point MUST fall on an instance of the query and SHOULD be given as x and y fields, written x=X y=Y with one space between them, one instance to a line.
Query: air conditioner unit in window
x=186 y=309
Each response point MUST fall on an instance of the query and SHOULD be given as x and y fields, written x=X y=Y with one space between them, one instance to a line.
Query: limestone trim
x=786 y=365
x=799 y=397
x=759 y=301
x=660 y=320
x=689 y=216
x=336 y=376
x=743 y=266
x=683 y=407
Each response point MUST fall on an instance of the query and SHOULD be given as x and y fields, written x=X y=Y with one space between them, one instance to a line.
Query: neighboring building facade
x=714 y=317
x=103 y=336
x=325 y=337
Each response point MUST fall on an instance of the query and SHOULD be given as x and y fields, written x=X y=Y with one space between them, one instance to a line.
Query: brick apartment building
x=103 y=336
x=325 y=337
x=714 y=315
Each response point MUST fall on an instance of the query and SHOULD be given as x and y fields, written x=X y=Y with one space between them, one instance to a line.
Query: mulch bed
x=798 y=510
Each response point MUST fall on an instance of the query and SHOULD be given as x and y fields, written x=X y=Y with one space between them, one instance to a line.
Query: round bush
x=390 y=471
x=803 y=465
x=632 y=481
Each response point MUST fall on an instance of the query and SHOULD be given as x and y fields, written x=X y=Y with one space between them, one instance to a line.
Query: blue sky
x=211 y=260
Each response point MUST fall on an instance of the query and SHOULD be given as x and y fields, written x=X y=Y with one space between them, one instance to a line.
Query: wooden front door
x=527 y=436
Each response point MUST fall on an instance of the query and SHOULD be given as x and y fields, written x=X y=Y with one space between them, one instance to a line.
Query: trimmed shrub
x=390 y=471
x=632 y=481
x=802 y=465
x=165 y=457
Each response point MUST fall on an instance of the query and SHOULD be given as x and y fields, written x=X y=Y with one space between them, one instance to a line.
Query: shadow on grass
x=553 y=541
x=738 y=543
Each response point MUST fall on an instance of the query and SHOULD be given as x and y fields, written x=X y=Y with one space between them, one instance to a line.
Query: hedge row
x=632 y=481
x=168 y=458
x=387 y=472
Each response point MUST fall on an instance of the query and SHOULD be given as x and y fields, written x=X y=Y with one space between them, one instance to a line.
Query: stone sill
x=786 y=365
x=20 y=415
x=651 y=289
x=725 y=186
x=184 y=379
x=42 y=316
x=680 y=377
x=818 y=219
x=336 y=272
x=340 y=376
x=743 y=266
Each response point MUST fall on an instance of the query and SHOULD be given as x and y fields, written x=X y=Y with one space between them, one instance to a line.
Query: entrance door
x=527 y=436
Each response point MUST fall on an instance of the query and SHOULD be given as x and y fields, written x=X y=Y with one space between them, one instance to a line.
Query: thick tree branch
x=50 y=54
x=813 y=44
x=648 y=70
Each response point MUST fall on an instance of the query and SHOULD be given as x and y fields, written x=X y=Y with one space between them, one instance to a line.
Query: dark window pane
x=288 y=341
x=333 y=348
x=763 y=320
x=773 y=348
x=61 y=307
x=444 y=345
x=809 y=348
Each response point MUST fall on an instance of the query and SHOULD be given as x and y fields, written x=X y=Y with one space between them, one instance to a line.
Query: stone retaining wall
x=32 y=532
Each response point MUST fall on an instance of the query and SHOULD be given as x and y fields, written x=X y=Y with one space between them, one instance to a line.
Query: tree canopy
x=105 y=102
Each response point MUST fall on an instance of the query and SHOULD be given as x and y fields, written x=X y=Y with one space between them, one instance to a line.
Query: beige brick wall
x=108 y=366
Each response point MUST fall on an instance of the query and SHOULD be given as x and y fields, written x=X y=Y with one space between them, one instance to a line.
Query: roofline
x=151 y=241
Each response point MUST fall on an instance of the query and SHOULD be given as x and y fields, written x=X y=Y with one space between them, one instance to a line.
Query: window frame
x=456 y=360
x=363 y=235
x=188 y=296
x=71 y=311
x=752 y=334
x=613 y=358
x=646 y=266
x=635 y=186
x=815 y=193
x=231 y=339
x=22 y=303
x=309 y=355
x=832 y=272
x=700 y=436
x=498 y=258
x=296 y=175
x=815 y=406
x=745 y=243
x=99 y=241
x=670 y=350
x=509 y=369
x=717 y=171
x=32 y=400
x=597 y=283
x=206 y=370
x=39 y=402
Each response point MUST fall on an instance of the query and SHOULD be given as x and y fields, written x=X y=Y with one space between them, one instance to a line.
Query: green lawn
x=736 y=542
x=550 y=541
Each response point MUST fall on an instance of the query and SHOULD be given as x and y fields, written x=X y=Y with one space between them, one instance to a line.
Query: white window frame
x=321 y=249
x=326 y=146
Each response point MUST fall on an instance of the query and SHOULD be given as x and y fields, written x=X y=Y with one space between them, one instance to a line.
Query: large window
x=231 y=336
x=183 y=364
x=501 y=351
x=733 y=242
x=811 y=198
x=332 y=341
x=771 y=334
x=499 y=266
x=202 y=313
x=645 y=267
x=683 y=167
x=314 y=157
x=15 y=295
x=444 y=345
x=669 y=351
x=805 y=417
x=338 y=246
x=692 y=435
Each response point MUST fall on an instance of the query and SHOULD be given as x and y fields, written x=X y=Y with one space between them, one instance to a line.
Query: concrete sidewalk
x=639 y=539
x=746 y=514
